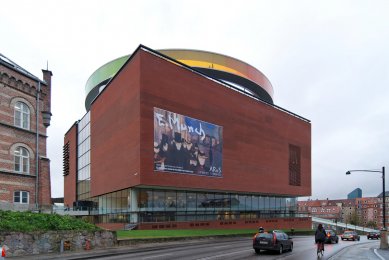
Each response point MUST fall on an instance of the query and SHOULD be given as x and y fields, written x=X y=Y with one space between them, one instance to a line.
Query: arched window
x=22 y=160
x=22 y=115
x=21 y=197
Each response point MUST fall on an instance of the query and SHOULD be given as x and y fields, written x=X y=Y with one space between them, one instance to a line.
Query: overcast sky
x=328 y=61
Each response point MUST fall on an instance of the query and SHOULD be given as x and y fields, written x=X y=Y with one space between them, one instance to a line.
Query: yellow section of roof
x=211 y=60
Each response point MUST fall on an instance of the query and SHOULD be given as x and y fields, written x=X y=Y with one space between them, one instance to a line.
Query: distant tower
x=357 y=193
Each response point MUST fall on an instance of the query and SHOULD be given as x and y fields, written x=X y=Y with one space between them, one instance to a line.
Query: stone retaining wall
x=32 y=243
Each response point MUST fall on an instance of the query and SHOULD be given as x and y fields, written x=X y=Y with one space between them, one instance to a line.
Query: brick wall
x=40 y=242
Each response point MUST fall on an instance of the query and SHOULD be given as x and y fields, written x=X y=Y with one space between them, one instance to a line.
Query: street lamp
x=383 y=190
x=383 y=241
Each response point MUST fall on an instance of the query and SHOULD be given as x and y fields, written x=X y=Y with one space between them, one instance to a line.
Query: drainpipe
x=37 y=149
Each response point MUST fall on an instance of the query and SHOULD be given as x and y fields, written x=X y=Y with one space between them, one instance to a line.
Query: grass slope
x=150 y=234
x=28 y=221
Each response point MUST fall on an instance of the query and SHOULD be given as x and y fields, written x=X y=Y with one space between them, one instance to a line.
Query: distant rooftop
x=386 y=194
x=12 y=65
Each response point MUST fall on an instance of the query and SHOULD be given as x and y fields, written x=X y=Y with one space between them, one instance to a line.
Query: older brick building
x=365 y=211
x=24 y=116
x=185 y=139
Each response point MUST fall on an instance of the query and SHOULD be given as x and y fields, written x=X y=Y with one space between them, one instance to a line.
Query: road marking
x=221 y=246
x=375 y=252
x=216 y=256
x=150 y=257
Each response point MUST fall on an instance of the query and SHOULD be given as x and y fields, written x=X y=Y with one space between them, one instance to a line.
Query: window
x=22 y=160
x=21 y=197
x=22 y=115
x=294 y=165
x=66 y=158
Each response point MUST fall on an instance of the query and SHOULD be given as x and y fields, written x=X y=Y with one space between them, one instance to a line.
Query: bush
x=28 y=221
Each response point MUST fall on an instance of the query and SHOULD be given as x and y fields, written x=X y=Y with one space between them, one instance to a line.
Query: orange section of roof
x=210 y=60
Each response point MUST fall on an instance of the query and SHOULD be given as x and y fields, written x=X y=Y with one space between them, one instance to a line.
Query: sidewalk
x=361 y=251
x=94 y=253
x=384 y=253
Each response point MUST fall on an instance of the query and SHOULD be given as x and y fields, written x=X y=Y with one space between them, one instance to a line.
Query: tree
x=371 y=224
x=354 y=219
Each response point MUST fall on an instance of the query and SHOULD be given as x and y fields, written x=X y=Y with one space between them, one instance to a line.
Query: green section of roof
x=105 y=72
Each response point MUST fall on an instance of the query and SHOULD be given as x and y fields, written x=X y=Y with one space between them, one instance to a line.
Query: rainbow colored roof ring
x=225 y=68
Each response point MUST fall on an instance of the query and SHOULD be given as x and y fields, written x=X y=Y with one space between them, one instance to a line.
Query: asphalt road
x=229 y=248
x=241 y=248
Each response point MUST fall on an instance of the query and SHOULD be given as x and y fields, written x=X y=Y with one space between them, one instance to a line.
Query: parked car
x=373 y=235
x=275 y=241
x=350 y=235
x=331 y=237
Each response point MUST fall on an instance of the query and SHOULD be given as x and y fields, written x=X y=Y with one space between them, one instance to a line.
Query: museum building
x=186 y=139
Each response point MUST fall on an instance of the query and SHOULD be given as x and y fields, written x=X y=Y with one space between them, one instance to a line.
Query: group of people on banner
x=192 y=154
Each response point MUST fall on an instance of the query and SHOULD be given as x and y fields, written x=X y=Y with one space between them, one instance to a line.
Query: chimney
x=46 y=113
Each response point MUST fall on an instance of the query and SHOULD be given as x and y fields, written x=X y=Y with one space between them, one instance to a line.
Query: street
x=240 y=248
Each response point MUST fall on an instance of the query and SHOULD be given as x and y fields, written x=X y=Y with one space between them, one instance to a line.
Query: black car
x=373 y=235
x=331 y=237
x=275 y=241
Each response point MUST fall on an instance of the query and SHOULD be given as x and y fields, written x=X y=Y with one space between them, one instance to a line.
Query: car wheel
x=359 y=238
x=291 y=247
x=337 y=241
x=257 y=251
x=281 y=250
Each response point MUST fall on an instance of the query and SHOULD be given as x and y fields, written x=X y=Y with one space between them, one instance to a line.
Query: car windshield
x=349 y=232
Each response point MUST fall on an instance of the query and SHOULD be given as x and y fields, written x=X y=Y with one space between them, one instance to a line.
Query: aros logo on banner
x=186 y=145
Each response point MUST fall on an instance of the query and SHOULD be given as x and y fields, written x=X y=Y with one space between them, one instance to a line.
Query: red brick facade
x=17 y=85
x=274 y=223
x=70 y=177
x=256 y=136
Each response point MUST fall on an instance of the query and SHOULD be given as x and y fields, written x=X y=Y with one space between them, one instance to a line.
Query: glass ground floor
x=142 y=205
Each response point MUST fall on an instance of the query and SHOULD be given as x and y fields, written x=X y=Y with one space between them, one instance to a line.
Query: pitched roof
x=12 y=65
x=386 y=194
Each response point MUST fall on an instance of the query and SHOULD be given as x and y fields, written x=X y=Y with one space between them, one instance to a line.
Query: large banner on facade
x=186 y=145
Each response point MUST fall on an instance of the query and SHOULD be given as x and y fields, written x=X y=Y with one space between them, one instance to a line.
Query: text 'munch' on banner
x=186 y=145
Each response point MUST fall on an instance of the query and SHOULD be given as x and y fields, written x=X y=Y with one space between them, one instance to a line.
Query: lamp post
x=384 y=238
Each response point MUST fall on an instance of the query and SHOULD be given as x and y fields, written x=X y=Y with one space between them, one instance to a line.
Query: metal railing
x=342 y=225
